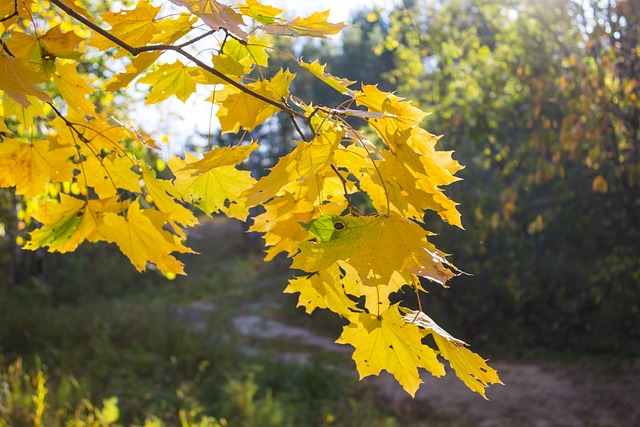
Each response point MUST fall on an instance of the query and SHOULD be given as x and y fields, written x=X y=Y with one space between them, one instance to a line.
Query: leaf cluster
x=78 y=165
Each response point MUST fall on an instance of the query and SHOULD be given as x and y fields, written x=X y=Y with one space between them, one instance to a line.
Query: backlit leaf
x=323 y=290
x=216 y=15
x=29 y=166
x=239 y=109
x=260 y=12
x=135 y=27
x=171 y=79
x=214 y=184
x=302 y=163
x=315 y=25
x=387 y=342
x=142 y=241
x=18 y=80
x=62 y=44
x=469 y=367
x=341 y=85
x=376 y=246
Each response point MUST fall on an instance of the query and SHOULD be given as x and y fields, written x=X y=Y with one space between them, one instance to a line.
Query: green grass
x=94 y=343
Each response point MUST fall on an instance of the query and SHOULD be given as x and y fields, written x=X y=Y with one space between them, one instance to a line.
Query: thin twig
x=352 y=208
x=6 y=49
x=12 y=14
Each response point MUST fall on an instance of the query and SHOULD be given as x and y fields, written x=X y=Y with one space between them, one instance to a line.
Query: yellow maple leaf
x=213 y=184
x=61 y=44
x=60 y=221
x=142 y=240
x=339 y=84
x=306 y=160
x=106 y=175
x=358 y=240
x=229 y=66
x=262 y=13
x=6 y=9
x=170 y=30
x=18 y=80
x=164 y=196
x=216 y=15
x=238 y=109
x=404 y=172
x=251 y=52
x=314 y=25
x=137 y=66
x=323 y=290
x=376 y=298
x=69 y=222
x=73 y=87
x=387 y=342
x=171 y=79
x=281 y=224
x=221 y=156
x=399 y=111
x=135 y=27
x=30 y=166
x=468 y=366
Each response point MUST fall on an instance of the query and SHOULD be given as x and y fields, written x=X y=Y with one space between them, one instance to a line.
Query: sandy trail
x=546 y=394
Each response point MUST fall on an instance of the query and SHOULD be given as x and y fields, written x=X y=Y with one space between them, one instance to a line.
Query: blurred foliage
x=540 y=102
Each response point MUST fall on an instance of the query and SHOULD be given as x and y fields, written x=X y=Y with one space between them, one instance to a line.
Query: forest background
x=541 y=103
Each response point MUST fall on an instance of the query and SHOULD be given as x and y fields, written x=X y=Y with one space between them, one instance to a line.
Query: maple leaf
x=69 y=222
x=315 y=25
x=216 y=15
x=341 y=85
x=73 y=87
x=142 y=240
x=221 y=156
x=239 y=109
x=404 y=172
x=399 y=112
x=106 y=175
x=387 y=342
x=18 y=80
x=60 y=219
x=61 y=44
x=137 y=66
x=170 y=30
x=135 y=27
x=306 y=160
x=164 y=195
x=357 y=240
x=171 y=79
x=6 y=9
x=280 y=224
x=468 y=366
x=323 y=290
x=260 y=12
x=30 y=166
x=214 y=184
x=253 y=51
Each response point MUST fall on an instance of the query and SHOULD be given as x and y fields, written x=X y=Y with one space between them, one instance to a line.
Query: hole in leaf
x=338 y=226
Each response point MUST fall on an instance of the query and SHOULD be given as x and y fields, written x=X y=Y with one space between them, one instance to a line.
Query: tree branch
x=178 y=49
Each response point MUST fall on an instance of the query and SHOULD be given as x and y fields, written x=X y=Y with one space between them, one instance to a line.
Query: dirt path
x=534 y=395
